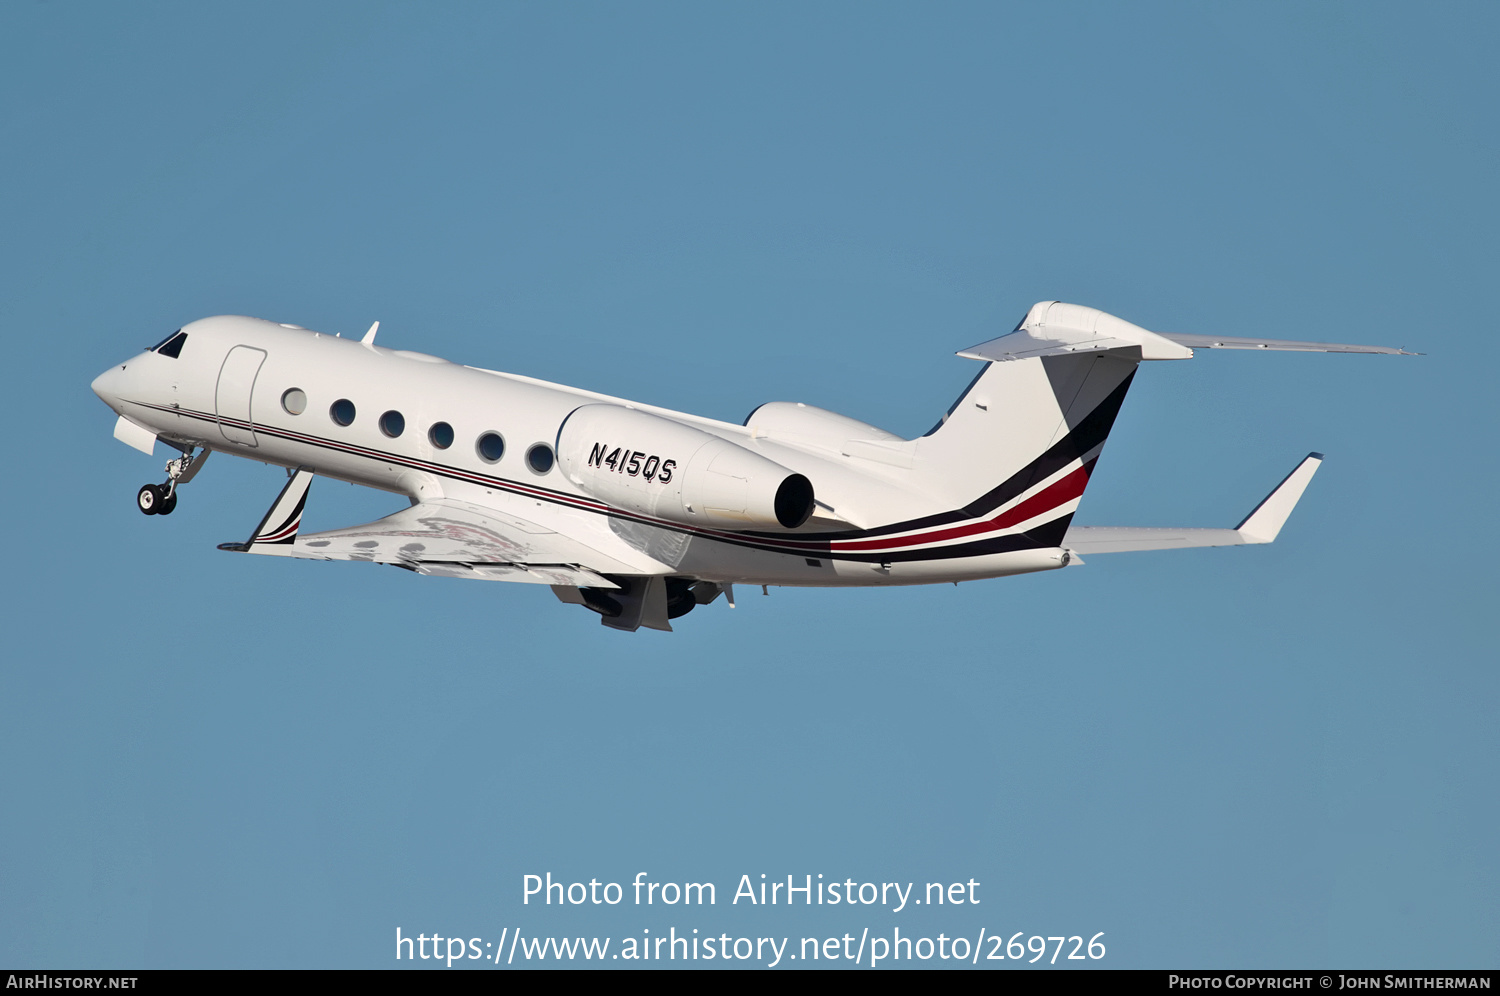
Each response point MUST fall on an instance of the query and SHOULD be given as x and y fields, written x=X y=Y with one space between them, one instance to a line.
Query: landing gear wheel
x=150 y=498
x=167 y=504
x=680 y=600
x=598 y=601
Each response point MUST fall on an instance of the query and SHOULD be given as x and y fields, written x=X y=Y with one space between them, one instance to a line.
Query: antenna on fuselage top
x=370 y=335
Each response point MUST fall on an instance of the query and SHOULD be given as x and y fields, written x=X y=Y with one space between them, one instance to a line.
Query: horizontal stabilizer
x=1260 y=526
x=1241 y=342
x=1052 y=328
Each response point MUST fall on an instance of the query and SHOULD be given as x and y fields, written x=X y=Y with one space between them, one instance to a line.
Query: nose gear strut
x=161 y=499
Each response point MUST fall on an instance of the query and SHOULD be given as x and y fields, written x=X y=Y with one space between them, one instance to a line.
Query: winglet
x=1262 y=525
x=278 y=530
x=370 y=335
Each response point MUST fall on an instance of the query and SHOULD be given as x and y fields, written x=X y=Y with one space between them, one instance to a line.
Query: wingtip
x=1264 y=523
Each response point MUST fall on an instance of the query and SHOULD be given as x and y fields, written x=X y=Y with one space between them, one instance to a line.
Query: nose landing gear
x=161 y=499
x=156 y=499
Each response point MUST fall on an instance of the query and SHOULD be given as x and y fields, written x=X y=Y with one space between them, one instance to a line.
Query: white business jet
x=640 y=513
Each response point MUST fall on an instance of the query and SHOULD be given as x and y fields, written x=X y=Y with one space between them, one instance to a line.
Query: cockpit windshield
x=171 y=345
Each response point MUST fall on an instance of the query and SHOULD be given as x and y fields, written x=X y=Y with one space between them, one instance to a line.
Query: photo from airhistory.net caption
x=661 y=939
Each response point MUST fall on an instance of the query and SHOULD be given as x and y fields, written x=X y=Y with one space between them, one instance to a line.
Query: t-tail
x=1016 y=451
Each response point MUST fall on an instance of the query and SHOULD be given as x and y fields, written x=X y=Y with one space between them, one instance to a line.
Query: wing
x=441 y=537
x=1129 y=539
x=1260 y=526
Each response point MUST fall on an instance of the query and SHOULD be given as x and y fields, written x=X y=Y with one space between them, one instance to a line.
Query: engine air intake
x=794 y=501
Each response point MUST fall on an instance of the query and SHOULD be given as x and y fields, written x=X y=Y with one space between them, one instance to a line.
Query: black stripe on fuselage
x=1088 y=434
x=798 y=545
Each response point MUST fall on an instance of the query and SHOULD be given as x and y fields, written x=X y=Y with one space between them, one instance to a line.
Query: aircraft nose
x=107 y=385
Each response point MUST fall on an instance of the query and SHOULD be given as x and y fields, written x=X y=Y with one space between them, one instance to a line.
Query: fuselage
x=423 y=427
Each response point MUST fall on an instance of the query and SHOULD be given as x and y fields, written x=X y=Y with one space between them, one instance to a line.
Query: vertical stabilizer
x=1024 y=438
x=1019 y=445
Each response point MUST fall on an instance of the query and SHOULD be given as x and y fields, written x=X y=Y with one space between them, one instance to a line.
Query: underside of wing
x=442 y=537
x=1129 y=539
x=449 y=539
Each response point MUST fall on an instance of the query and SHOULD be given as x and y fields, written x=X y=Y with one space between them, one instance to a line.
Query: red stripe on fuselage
x=1054 y=495
x=1045 y=500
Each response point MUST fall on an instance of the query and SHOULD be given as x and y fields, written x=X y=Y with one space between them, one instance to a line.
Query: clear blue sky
x=1283 y=756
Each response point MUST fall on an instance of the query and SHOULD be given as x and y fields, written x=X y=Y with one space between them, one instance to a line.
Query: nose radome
x=107 y=384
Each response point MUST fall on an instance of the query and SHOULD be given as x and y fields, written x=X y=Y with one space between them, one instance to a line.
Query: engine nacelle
x=796 y=422
x=664 y=468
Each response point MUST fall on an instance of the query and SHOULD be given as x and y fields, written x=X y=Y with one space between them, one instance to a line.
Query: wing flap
x=553 y=574
x=442 y=537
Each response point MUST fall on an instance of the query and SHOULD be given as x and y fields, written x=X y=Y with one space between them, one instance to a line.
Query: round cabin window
x=342 y=411
x=491 y=447
x=440 y=435
x=294 y=401
x=539 y=458
x=392 y=424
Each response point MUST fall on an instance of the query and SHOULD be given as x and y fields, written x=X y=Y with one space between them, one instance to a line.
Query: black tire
x=596 y=600
x=149 y=499
x=167 y=504
x=680 y=600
